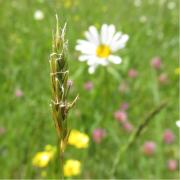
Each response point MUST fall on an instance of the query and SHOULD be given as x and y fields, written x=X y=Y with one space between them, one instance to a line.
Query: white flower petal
x=84 y=50
x=92 y=69
x=86 y=43
x=85 y=47
x=115 y=38
x=115 y=59
x=119 y=44
x=102 y=61
x=104 y=33
x=84 y=57
x=111 y=31
x=92 y=35
x=92 y=60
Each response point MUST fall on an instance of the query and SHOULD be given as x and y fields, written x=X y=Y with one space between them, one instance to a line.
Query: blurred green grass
x=25 y=45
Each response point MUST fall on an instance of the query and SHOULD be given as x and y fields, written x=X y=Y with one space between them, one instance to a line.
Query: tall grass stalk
x=59 y=73
x=144 y=123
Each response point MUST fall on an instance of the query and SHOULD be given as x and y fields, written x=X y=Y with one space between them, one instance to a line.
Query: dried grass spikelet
x=60 y=88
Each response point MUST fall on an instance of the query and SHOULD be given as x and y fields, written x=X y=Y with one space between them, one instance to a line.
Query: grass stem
x=136 y=134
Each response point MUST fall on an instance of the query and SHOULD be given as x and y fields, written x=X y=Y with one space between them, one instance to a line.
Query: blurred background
x=147 y=76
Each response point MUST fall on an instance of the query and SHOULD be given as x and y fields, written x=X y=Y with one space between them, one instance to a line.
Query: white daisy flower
x=98 y=49
x=38 y=15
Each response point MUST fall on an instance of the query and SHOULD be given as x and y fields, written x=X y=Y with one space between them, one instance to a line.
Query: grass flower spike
x=60 y=87
x=98 y=49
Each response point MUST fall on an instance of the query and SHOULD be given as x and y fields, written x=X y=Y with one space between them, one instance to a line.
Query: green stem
x=61 y=159
x=136 y=134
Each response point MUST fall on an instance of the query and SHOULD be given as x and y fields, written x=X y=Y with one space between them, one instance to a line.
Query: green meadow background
x=26 y=122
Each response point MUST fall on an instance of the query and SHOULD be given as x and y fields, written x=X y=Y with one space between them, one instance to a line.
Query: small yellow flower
x=41 y=159
x=72 y=168
x=177 y=71
x=78 y=139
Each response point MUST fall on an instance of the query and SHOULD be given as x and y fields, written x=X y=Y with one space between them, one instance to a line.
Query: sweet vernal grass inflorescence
x=60 y=87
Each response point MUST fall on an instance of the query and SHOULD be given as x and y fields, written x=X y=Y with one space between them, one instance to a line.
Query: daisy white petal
x=93 y=33
x=92 y=69
x=86 y=49
x=92 y=60
x=119 y=44
x=115 y=38
x=104 y=33
x=91 y=38
x=115 y=59
x=84 y=57
x=86 y=43
x=111 y=31
x=102 y=61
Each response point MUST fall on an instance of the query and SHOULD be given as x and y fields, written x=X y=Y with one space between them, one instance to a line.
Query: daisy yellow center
x=103 y=51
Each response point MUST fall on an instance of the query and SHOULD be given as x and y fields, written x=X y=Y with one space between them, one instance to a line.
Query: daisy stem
x=136 y=134
x=106 y=92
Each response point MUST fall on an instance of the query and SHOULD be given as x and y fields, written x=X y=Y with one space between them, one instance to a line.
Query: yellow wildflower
x=78 y=139
x=72 y=168
x=41 y=159
x=177 y=71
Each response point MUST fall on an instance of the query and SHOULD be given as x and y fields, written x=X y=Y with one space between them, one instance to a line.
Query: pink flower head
x=123 y=87
x=18 y=93
x=128 y=127
x=149 y=148
x=172 y=165
x=168 y=136
x=98 y=135
x=124 y=106
x=88 y=86
x=156 y=63
x=163 y=78
x=132 y=73
x=120 y=116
